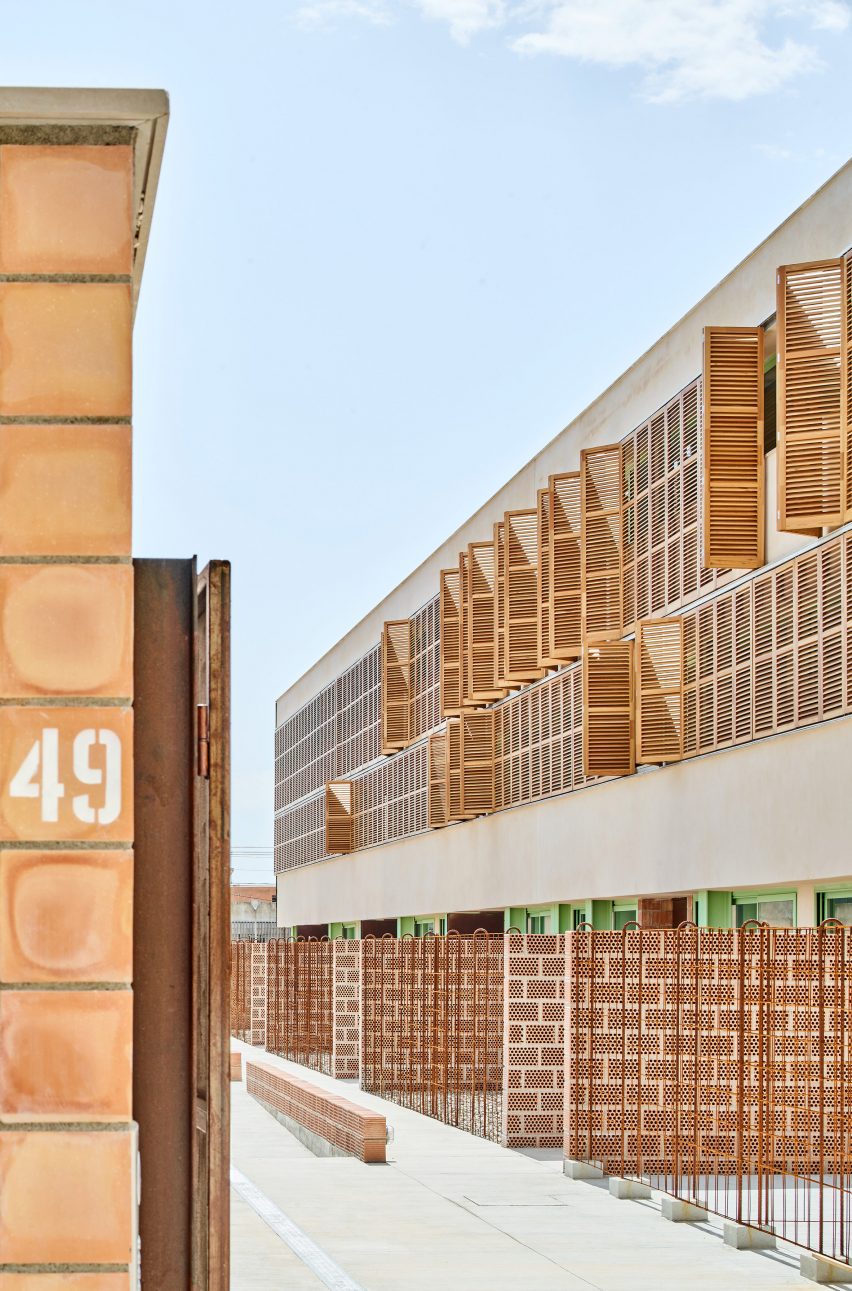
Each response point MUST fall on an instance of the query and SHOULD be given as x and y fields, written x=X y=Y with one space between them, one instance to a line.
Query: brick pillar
x=533 y=1040
x=68 y=1145
x=257 y=1033
x=346 y=978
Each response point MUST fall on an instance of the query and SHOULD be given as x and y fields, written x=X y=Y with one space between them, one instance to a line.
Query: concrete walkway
x=454 y=1213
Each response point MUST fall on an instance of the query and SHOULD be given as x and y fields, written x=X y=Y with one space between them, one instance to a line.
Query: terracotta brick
x=65 y=1055
x=66 y=916
x=66 y=630
x=65 y=490
x=65 y=1282
x=67 y=1197
x=65 y=349
x=65 y=209
x=102 y=739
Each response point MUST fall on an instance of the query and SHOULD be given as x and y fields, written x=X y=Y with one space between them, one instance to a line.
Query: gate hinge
x=203 y=741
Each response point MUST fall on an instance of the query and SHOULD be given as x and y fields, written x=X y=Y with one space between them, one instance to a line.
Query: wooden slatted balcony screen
x=438 y=786
x=601 y=495
x=464 y=631
x=454 y=770
x=608 y=743
x=450 y=597
x=659 y=690
x=565 y=639
x=733 y=530
x=481 y=621
x=545 y=578
x=477 y=763
x=339 y=817
x=500 y=605
x=812 y=395
x=396 y=685
x=521 y=596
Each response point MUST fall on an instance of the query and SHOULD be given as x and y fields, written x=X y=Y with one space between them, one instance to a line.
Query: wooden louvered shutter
x=339 y=817
x=847 y=384
x=566 y=638
x=812 y=396
x=396 y=685
x=659 y=690
x=608 y=747
x=477 y=763
x=454 y=786
x=601 y=493
x=733 y=448
x=450 y=671
x=464 y=631
x=521 y=596
x=545 y=579
x=500 y=606
x=481 y=575
x=438 y=815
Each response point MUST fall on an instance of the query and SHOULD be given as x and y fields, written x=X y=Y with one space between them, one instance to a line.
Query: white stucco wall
x=775 y=812
x=821 y=228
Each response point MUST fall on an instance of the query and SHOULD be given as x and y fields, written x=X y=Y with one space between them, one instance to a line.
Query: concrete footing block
x=629 y=1189
x=743 y=1238
x=581 y=1169
x=819 y=1268
x=682 y=1212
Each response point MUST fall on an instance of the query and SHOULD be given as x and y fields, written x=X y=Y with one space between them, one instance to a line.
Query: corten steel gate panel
x=715 y=1064
x=432 y=1027
x=241 y=961
x=300 y=1002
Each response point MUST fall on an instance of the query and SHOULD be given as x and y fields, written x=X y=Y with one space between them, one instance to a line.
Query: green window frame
x=830 y=903
x=624 y=912
x=765 y=907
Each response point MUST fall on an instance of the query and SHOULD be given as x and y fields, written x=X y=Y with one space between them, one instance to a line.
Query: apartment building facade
x=622 y=689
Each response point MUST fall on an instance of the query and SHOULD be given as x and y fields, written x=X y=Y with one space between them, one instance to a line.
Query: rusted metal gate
x=715 y=1065
x=432 y=1026
x=241 y=963
x=300 y=1004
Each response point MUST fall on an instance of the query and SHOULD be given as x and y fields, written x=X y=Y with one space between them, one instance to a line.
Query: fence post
x=533 y=1040
x=346 y=1009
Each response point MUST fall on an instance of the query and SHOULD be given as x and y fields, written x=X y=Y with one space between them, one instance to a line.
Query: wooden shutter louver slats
x=477 y=763
x=438 y=785
x=500 y=606
x=602 y=489
x=545 y=578
x=608 y=743
x=481 y=622
x=453 y=754
x=396 y=685
x=812 y=396
x=450 y=670
x=566 y=632
x=847 y=385
x=521 y=596
x=339 y=817
x=733 y=530
x=659 y=690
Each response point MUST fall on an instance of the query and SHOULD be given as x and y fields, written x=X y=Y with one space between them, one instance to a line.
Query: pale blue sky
x=398 y=244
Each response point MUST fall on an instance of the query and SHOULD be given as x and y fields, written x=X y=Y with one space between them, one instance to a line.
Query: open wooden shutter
x=659 y=687
x=733 y=448
x=396 y=685
x=464 y=631
x=481 y=581
x=601 y=570
x=438 y=815
x=477 y=763
x=566 y=638
x=521 y=554
x=454 y=777
x=847 y=384
x=500 y=606
x=450 y=670
x=812 y=396
x=339 y=817
x=608 y=747
x=545 y=579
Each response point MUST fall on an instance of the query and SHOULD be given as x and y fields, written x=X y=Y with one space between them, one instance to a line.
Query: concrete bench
x=324 y=1122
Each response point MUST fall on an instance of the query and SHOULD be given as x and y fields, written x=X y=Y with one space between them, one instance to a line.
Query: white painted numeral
x=38 y=776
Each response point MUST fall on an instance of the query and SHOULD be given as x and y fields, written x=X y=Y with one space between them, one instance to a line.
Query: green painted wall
x=515 y=917
x=405 y=925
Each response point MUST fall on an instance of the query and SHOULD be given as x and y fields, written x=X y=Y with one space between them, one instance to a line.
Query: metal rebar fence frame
x=432 y=1026
x=300 y=1005
x=715 y=1065
x=241 y=990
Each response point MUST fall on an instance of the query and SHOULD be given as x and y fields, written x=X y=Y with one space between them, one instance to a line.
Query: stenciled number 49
x=38 y=776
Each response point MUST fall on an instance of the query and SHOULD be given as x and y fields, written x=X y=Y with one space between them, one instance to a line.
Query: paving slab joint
x=744 y=1238
x=629 y=1189
x=819 y=1268
x=580 y=1169
x=682 y=1212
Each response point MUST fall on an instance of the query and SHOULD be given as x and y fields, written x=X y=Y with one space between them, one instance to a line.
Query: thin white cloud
x=682 y=49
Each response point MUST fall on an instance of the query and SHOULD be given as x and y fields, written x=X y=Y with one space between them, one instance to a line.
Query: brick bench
x=236 y=1065
x=324 y=1122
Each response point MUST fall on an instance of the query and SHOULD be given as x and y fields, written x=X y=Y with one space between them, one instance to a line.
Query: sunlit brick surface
x=346 y=1004
x=248 y=991
x=352 y=1129
x=534 y=1040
